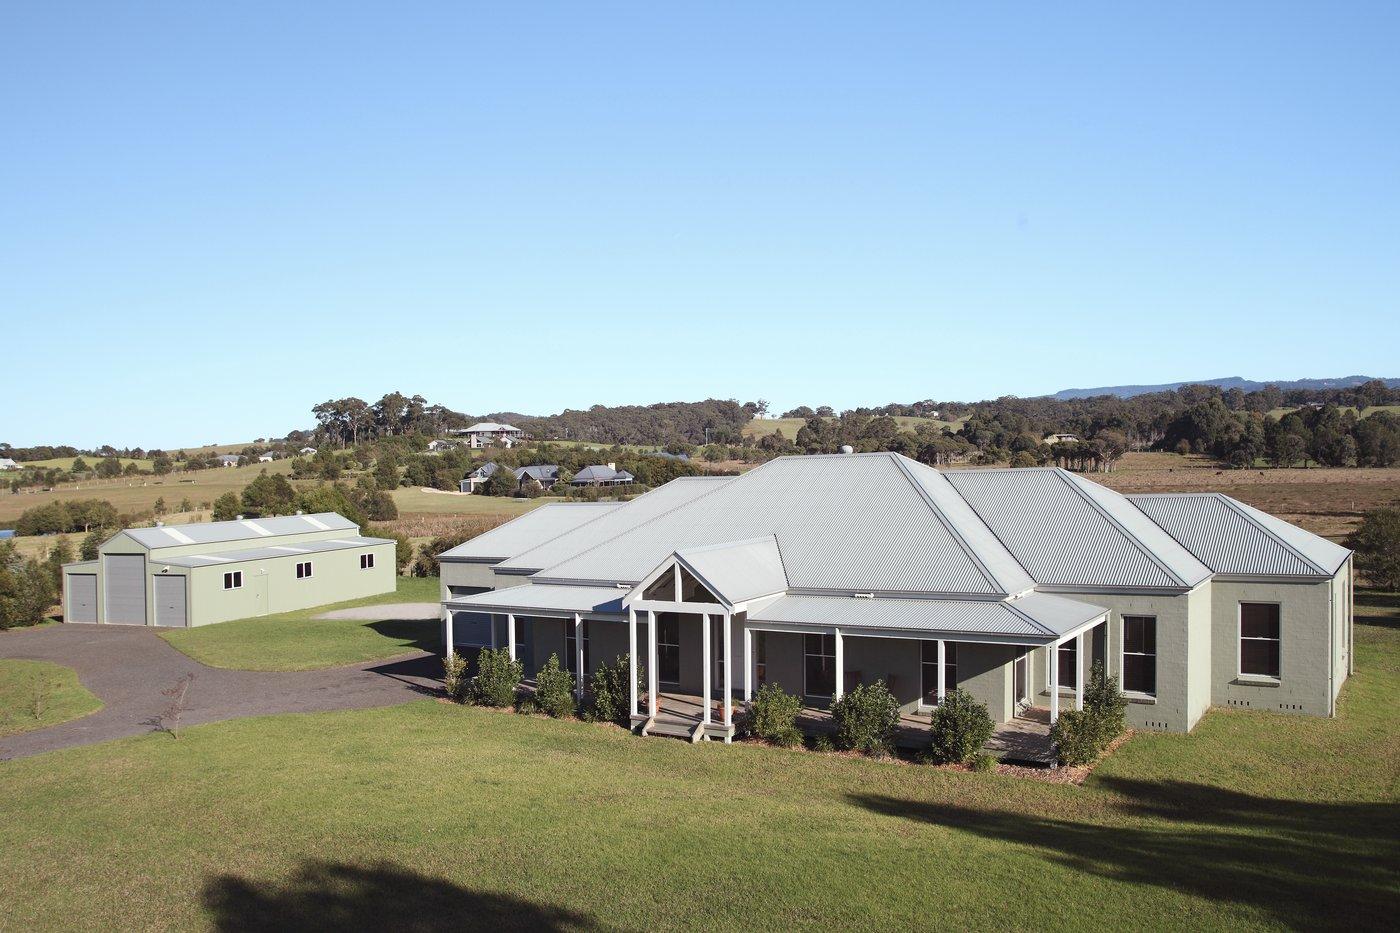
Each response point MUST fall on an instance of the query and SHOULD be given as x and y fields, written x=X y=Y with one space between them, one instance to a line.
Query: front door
x=668 y=649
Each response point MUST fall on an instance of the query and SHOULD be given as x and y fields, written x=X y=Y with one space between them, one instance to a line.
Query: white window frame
x=307 y=574
x=948 y=648
x=1052 y=656
x=806 y=694
x=1239 y=641
x=233 y=579
x=367 y=561
x=1122 y=652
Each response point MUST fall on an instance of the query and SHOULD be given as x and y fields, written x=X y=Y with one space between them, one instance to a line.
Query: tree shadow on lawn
x=1385 y=608
x=326 y=895
x=1305 y=864
x=423 y=634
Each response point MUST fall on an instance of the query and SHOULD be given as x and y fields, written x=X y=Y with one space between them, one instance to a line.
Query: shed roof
x=542 y=524
x=253 y=529
x=1039 y=617
x=301 y=548
x=1233 y=538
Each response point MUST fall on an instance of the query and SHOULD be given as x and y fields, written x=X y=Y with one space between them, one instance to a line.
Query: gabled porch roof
x=734 y=572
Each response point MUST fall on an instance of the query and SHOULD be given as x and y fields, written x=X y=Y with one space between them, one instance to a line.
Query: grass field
x=412 y=499
x=432 y=816
x=1365 y=412
x=66 y=463
x=37 y=694
x=297 y=641
x=790 y=426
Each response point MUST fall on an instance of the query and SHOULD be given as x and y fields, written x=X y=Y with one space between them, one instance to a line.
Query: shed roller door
x=170 y=602
x=126 y=588
x=82 y=598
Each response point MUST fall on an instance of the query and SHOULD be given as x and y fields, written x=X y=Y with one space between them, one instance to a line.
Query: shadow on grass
x=1305 y=864
x=423 y=634
x=1377 y=608
x=337 y=896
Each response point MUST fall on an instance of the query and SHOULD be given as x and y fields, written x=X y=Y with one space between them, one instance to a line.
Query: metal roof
x=301 y=548
x=545 y=523
x=844 y=522
x=1068 y=531
x=253 y=529
x=739 y=570
x=600 y=474
x=543 y=472
x=488 y=427
x=544 y=598
x=1039 y=617
x=616 y=521
x=1233 y=538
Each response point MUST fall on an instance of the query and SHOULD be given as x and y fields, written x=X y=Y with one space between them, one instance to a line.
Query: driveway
x=127 y=667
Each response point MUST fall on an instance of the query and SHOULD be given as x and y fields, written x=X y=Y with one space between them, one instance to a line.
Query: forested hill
x=1228 y=382
x=663 y=423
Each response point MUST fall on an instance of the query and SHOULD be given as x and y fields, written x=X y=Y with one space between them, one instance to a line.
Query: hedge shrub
x=454 y=677
x=554 y=690
x=1106 y=704
x=496 y=679
x=866 y=719
x=960 y=727
x=610 y=694
x=772 y=716
x=1076 y=738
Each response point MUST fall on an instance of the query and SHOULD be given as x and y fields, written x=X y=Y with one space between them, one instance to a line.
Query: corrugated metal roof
x=523 y=599
x=488 y=427
x=631 y=514
x=845 y=521
x=1067 y=531
x=740 y=570
x=1037 y=617
x=255 y=529
x=1234 y=538
x=261 y=553
x=543 y=472
x=545 y=523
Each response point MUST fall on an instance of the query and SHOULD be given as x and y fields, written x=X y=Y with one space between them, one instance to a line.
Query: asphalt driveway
x=127 y=667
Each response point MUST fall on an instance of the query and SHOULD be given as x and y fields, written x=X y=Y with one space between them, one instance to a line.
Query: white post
x=840 y=666
x=447 y=627
x=942 y=670
x=728 y=672
x=1054 y=683
x=510 y=634
x=706 y=690
x=653 y=680
x=1079 y=671
x=748 y=664
x=632 y=660
x=578 y=655
x=492 y=626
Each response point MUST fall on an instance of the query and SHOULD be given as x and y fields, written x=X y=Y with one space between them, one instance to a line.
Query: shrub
x=866 y=719
x=1106 y=706
x=822 y=743
x=984 y=762
x=610 y=694
x=772 y=716
x=1076 y=737
x=455 y=682
x=496 y=679
x=960 y=727
x=554 y=690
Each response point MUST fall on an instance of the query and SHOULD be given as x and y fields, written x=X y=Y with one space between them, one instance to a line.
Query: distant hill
x=1229 y=382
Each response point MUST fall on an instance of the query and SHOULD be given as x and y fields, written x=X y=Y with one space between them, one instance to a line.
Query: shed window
x=366 y=561
x=1140 y=654
x=303 y=569
x=820 y=666
x=1259 y=639
x=929 y=669
x=233 y=580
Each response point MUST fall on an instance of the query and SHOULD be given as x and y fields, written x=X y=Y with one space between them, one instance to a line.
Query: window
x=668 y=649
x=234 y=580
x=571 y=648
x=366 y=561
x=820 y=665
x=303 y=569
x=1068 y=657
x=929 y=669
x=760 y=656
x=1140 y=654
x=1259 y=639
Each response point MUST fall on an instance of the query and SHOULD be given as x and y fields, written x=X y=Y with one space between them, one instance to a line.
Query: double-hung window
x=1068 y=658
x=303 y=569
x=1140 y=654
x=1259 y=639
x=820 y=665
x=233 y=580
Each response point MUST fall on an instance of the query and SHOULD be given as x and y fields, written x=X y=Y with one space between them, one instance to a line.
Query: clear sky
x=213 y=216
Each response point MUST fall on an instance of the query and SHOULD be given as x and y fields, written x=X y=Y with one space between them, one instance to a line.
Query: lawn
x=411 y=499
x=36 y=694
x=433 y=816
x=297 y=641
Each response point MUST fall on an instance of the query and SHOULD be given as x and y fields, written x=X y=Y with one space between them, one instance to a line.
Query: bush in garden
x=984 y=762
x=772 y=716
x=960 y=727
x=455 y=682
x=610 y=694
x=1106 y=705
x=554 y=690
x=1076 y=737
x=496 y=679
x=866 y=719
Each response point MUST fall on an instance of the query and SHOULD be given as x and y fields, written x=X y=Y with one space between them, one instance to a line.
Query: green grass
x=1364 y=413
x=412 y=499
x=36 y=694
x=297 y=641
x=444 y=816
x=66 y=463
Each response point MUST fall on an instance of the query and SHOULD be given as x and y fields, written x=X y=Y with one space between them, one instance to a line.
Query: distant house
x=546 y=474
x=437 y=446
x=489 y=433
x=228 y=460
x=7 y=464
x=266 y=458
x=307 y=451
x=600 y=475
x=478 y=476
x=1061 y=439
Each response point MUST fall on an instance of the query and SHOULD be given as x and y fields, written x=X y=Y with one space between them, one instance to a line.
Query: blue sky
x=213 y=217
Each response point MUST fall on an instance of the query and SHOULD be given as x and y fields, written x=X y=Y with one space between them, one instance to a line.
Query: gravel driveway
x=128 y=666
